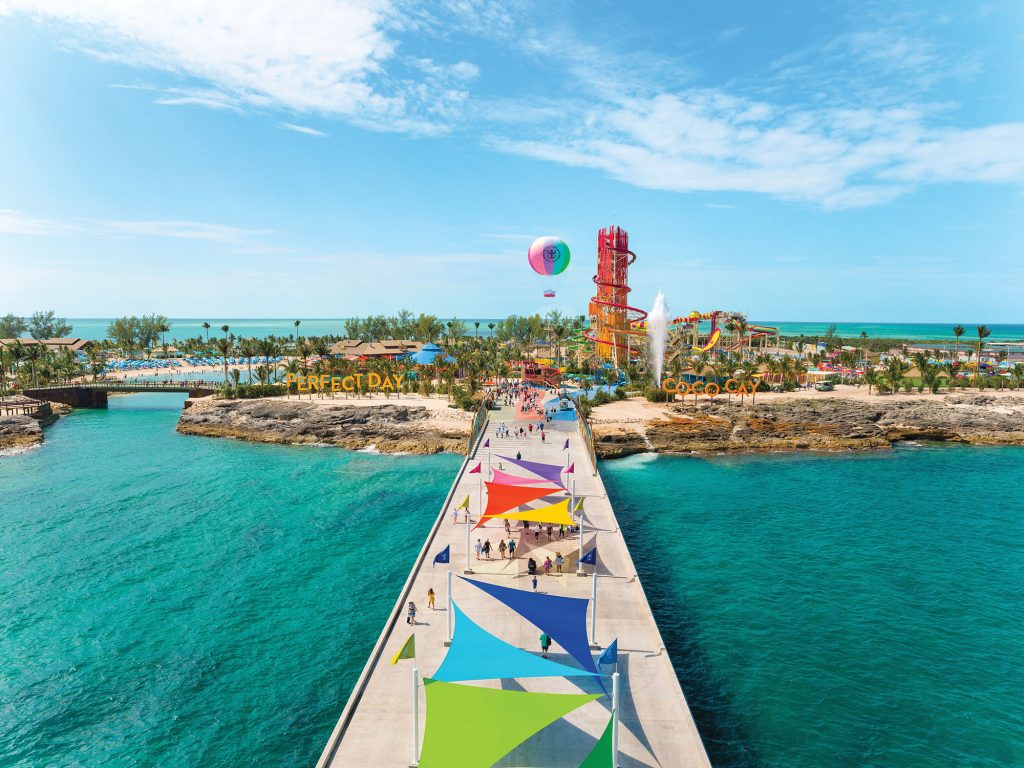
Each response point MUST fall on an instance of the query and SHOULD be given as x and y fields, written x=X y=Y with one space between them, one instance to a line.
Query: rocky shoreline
x=832 y=424
x=19 y=432
x=385 y=427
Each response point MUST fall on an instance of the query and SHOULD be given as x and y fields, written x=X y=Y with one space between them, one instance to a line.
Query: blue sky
x=828 y=161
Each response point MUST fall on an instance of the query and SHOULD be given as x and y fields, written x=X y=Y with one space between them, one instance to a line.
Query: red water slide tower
x=610 y=314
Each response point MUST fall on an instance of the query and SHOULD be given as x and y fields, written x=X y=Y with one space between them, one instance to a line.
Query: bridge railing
x=588 y=439
x=168 y=385
x=479 y=423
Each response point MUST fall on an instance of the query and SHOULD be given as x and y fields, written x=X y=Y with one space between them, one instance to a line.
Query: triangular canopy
x=502 y=498
x=564 y=619
x=506 y=479
x=556 y=514
x=473 y=727
x=601 y=755
x=476 y=654
x=551 y=472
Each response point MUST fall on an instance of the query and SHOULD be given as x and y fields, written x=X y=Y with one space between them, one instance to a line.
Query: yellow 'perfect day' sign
x=353 y=383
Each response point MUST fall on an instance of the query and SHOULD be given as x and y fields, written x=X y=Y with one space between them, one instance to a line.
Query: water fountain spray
x=657 y=335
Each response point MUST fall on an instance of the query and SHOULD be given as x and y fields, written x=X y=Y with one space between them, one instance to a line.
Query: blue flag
x=590 y=558
x=444 y=556
x=610 y=655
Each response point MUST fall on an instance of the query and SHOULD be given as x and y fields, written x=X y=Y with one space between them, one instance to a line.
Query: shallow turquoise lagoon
x=182 y=601
x=855 y=610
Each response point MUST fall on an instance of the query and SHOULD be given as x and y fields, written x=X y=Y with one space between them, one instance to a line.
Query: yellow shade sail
x=557 y=514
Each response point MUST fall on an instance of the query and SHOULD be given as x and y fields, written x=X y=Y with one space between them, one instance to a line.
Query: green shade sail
x=471 y=727
x=601 y=755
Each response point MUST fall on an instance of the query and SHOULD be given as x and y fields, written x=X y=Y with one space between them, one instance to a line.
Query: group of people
x=485 y=547
x=559 y=561
x=519 y=430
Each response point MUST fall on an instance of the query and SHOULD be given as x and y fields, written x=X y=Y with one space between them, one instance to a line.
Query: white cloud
x=14 y=222
x=303 y=129
x=320 y=56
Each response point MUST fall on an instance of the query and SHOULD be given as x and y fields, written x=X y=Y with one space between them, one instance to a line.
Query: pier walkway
x=655 y=725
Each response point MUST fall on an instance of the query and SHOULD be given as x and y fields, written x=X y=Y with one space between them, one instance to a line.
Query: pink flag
x=475 y=470
x=571 y=469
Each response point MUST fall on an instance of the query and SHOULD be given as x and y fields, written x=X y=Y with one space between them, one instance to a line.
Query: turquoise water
x=856 y=610
x=96 y=328
x=180 y=601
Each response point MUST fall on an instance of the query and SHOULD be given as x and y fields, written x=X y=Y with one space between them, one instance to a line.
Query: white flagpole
x=593 y=614
x=469 y=566
x=416 y=715
x=449 y=605
x=579 y=560
x=615 y=719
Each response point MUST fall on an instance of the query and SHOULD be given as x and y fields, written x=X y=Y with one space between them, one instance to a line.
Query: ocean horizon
x=95 y=328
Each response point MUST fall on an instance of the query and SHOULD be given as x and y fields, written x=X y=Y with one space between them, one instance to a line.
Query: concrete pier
x=656 y=728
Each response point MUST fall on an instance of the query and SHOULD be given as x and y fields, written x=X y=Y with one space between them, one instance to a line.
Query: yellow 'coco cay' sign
x=353 y=383
x=711 y=389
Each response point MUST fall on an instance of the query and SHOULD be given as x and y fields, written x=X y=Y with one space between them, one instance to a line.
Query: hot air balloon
x=549 y=256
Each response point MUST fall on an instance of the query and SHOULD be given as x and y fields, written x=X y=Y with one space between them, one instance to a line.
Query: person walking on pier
x=511 y=549
x=479 y=548
x=502 y=548
x=545 y=643
x=411 y=618
x=558 y=561
x=547 y=565
x=430 y=598
x=534 y=583
x=487 y=549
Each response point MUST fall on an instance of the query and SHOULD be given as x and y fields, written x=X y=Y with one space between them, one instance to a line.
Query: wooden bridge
x=94 y=394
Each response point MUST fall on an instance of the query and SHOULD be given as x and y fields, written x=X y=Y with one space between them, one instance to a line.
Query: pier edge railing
x=359 y=688
x=479 y=423
x=588 y=439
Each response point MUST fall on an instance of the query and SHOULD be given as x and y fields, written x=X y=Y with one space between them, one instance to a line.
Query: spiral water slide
x=612 y=317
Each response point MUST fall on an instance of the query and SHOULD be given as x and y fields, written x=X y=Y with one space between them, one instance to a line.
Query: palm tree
x=164 y=328
x=958 y=331
x=206 y=327
x=871 y=378
x=248 y=349
x=34 y=354
x=296 y=324
x=983 y=333
x=748 y=371
x=18 y=353
x=1017 y=375
x=225 y=329
x=224 y=347
x=895 y=369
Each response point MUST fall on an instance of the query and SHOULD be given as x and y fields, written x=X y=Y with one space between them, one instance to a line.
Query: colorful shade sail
x=502 y=498
x=407 y=651
x=551 y=472
x=476 y=654
x=556 y=514
x=563 y=618
x=601 y=756
x=506 y=479
x=471 y=727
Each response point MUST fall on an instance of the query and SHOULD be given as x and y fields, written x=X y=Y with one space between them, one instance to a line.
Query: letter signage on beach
x=327 y=383
x=711 y=389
